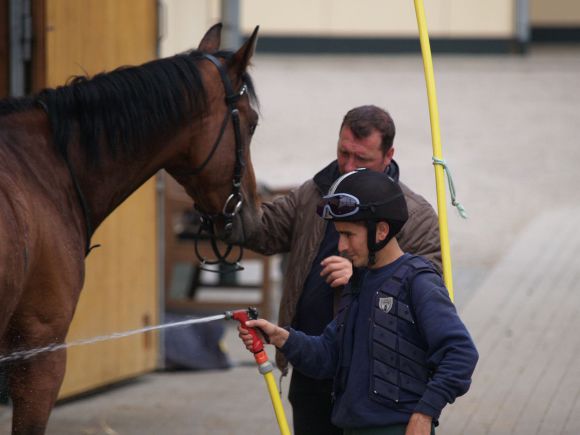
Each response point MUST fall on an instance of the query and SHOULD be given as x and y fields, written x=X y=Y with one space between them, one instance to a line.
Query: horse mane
x=15 y=104
x=126 y=109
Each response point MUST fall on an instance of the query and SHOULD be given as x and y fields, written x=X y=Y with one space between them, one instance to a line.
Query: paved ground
x=524 y=319
x=509 y=129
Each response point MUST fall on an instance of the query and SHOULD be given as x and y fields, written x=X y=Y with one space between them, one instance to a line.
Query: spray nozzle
x=243 y=316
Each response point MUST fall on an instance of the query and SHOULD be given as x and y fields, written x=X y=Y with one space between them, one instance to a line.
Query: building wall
x=186 y=21
x=182 y=23
x=379 y=18
x=555 y=13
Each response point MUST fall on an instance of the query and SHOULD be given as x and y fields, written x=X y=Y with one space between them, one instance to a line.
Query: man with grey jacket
x=310 y=288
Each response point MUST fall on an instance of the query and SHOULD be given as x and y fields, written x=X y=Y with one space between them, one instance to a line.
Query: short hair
x=363 y=120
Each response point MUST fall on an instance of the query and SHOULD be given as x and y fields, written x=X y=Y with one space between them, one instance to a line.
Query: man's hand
x=337 y=270
x=419 y=424
x=276 y=335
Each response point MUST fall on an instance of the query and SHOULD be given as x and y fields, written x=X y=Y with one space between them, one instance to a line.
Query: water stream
x=25 y=354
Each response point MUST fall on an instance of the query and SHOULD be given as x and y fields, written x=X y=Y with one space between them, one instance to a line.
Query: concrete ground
x=509 y=131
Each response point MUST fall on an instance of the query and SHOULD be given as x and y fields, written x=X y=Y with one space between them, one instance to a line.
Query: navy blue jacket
x=450 y=353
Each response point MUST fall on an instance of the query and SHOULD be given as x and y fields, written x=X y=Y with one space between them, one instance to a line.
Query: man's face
x=356 y=153
x=352 y=242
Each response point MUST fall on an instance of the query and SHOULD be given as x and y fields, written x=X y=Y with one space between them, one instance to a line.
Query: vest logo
x=385 y=304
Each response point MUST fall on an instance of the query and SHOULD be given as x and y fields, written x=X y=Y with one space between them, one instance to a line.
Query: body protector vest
x=398 y=367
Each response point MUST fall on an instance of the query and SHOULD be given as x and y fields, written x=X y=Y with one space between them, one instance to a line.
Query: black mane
x=14 y=104
x=126 y=108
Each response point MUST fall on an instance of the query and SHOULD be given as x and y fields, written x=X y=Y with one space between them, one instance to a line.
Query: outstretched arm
x=315 y=356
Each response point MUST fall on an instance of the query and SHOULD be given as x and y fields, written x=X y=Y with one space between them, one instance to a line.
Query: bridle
x=234 y=202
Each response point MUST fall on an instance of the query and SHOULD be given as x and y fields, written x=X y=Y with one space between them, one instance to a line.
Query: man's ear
x=388 y=156
x=382 y=231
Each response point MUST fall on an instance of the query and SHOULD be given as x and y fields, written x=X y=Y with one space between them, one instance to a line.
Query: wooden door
x=78 y=37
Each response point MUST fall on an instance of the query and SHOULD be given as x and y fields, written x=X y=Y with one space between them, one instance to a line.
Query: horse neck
x=105 y=187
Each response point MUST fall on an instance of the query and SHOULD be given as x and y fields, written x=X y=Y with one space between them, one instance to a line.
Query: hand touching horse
x=69 y=156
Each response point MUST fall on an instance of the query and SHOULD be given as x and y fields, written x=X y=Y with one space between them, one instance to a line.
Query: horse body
x=41 y=260
x=55 y=190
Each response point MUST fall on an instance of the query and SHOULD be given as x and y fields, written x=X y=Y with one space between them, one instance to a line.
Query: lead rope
x=452 y=193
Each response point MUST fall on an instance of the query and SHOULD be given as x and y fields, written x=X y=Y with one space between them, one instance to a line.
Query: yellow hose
x=436 y=140
x=277 y=403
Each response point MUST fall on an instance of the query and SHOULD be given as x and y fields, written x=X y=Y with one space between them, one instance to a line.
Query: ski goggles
x=338 y=205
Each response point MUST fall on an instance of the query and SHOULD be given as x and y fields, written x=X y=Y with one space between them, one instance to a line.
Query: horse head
x=214 y=165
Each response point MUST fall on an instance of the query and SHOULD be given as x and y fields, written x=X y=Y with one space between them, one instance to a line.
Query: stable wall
x=325 y=25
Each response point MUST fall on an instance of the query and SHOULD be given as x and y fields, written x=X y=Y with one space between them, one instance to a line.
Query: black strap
x=231 y=98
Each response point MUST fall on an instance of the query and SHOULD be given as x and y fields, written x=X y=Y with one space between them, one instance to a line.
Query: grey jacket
x=290 y=224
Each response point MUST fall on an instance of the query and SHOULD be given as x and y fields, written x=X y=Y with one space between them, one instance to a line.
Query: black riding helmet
x=370 y=197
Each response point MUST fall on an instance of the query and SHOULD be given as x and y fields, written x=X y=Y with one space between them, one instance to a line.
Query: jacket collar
x=330 y=173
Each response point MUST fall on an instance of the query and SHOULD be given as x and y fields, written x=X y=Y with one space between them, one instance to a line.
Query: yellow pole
x=436 y=140
x=277 y=403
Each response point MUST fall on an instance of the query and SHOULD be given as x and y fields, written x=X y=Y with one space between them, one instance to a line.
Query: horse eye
x=253 y=129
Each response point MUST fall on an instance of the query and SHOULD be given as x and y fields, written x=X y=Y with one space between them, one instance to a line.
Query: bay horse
x=69 y=156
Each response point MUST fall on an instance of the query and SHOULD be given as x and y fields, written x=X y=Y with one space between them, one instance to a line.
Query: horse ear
x=210 y=43
x=241 y=58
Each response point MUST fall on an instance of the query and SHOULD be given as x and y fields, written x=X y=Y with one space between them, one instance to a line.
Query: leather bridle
x=234 y=202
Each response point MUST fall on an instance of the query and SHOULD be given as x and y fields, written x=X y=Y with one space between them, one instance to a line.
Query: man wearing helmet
x=311 y=289
x=397 y=350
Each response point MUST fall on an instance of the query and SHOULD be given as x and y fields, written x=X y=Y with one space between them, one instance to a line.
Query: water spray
x=26 y=354
x=242 y=316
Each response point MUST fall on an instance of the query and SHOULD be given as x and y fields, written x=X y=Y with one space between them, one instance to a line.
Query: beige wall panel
x=184 y=22
x=476 y=18
x=302 y=17
x=555 y=13
x=121 y=291
x=379 y=18
x=79 y=38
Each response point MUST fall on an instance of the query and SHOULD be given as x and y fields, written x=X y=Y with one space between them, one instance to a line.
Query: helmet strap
x=372 y=243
